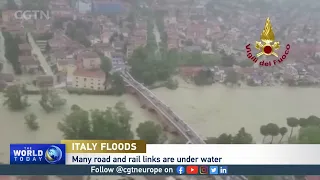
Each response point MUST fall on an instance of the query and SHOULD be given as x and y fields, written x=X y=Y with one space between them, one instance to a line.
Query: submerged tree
x=242 y=137
x=283 y=131
x=273 y=131
x=15 y=98
x=264 y=132
x=151 y=132
x=76 y=125
x=112 y=123
x=31 y=121
x=292 y=122
x=51 y=100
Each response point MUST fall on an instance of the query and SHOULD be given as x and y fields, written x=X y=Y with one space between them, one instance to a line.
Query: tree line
x=12 y=50
x=308 y=133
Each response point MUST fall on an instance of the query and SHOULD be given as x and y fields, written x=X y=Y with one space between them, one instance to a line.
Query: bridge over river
x=169 y=119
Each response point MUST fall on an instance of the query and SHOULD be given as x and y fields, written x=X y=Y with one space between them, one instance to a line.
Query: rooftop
x=89 y=74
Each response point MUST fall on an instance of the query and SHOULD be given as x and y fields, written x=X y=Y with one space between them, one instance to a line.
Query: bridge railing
x=127 y=76
x=197 y=140
x=165 y=114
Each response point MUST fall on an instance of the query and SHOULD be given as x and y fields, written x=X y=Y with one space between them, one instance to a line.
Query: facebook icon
x=223 y=170
x=180 y=170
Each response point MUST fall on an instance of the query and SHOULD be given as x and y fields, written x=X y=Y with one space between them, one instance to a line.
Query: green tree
x=273 y=130
x=117 y=84
x=172 y=84
x=76 y=125
x=205 y=77
x=292 y=122
x=309 y=135
x=225 y=139
x=232 y=77
x=12 y=51
x=227 y=60
x=146 y=68
x=15 y=98
x=283 y=131
x=150 y=132
x=264 y=131
x=242 y=137
x=31 y=121
x=112 y=123
x=51 y=100
x=303 y=122
x=313 y=120
x=78 y=31
x=106 y=65
x=211 y=140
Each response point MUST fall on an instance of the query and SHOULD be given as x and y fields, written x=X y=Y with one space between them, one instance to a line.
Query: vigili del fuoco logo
x=267 y=47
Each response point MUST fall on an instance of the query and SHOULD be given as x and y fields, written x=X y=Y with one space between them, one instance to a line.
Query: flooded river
x=209 y=110
x=13 y=129
x=216 y=109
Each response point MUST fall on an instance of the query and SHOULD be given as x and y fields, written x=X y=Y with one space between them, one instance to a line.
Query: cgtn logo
x=267 y=47
x=37 y=154
x=32 y=14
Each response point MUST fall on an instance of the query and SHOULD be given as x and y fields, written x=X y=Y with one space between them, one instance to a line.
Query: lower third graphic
x=180 y=170
x=37 y=154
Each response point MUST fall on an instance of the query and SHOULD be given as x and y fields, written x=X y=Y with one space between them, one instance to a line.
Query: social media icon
x=223 y=170
x=192 y=170
x=213 y=170
x=203 y=169
x=180 y=170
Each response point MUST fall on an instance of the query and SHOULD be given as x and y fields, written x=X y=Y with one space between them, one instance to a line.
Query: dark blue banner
x=159 y=170
x=37 y=154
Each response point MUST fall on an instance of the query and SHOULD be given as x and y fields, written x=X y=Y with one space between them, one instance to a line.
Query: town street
x=36 y=50
x=157 y=35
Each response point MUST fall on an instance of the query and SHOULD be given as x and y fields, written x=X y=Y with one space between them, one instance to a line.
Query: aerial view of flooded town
x=164 y=71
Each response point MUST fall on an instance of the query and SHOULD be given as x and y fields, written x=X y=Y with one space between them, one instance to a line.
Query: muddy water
x=13 y=129
x=209 y=110
x=216 y=109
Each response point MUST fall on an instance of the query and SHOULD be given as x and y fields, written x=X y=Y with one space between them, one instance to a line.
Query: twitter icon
x=213 y=170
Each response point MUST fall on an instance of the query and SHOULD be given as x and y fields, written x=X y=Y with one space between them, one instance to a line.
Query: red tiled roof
x=88 y=73
x=88 y=55
x=190 y=70
x=28 y=60
x=25 y=46
x=25 y=58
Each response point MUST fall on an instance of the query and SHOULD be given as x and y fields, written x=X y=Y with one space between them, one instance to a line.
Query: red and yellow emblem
x=267 y=37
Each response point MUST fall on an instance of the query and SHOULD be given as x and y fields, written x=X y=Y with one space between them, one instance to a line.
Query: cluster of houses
x=72 y=63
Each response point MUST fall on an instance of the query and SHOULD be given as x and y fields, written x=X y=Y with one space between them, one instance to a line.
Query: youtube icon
x=192 y=170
